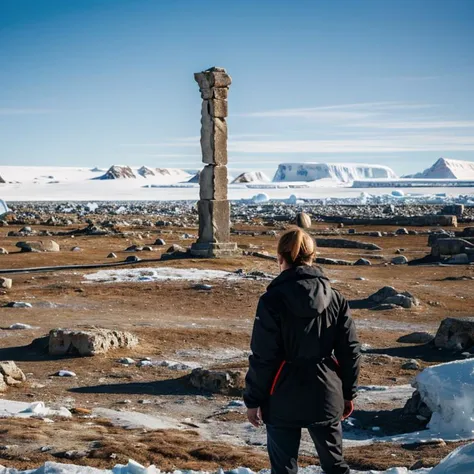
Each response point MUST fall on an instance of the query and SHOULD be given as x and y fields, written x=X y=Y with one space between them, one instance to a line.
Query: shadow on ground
x=179 y=386
x=425 y=352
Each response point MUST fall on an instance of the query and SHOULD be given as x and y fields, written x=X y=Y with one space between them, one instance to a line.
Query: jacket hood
x=305 y=289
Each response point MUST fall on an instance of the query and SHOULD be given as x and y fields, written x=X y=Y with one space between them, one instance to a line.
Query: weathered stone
x=214 y=221
x=346 y=244
x=455 y=334
x=159 y=242
x=416 y=338
x=416 y=407
x=39 y=246
x=400 y=260
x=213 y=183
x=111 y=255
x=12 y=375
x=218 y=108
x=220 y=93
x=412 y=364
x=89 y=342
x=227 y=382
x=331 y=261
x=450 y=246
x=6 y=283
x=362 y=261
x=303 y=220
x=3 y=251
x=383 y=294
x=399 y=300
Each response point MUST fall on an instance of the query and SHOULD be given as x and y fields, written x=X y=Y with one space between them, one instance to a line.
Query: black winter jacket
x=305 y=354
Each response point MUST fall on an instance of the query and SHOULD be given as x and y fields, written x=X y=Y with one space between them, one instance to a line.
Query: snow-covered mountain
x=252 y=177
x=145 y=171
x=118 y=172
x=446 y=168
x=340 y=172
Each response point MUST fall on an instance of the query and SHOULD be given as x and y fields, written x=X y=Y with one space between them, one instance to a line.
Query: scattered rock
x=147 y=248
x=417 y=465
x=346 y=244
x=228 y=382
x=88 y=342
x=390 y=296
x=18 y=304
x=176 y=248
x=415 y=406
x=39 y=246
x=202 y=286
x=17 y=326
x=402 y=231
x=76 y=249
x=416 y=338
x=455 y=334
x=6 y=283
x=303 y=220
x=383 y=294
x=400 y=300
x=400 y=260
x=133 y=259
x=412 y=364
x=159 y=242
x=10 y=375
x=3 y=251
x=111 y=255
x=362 y=261
x=127 y=361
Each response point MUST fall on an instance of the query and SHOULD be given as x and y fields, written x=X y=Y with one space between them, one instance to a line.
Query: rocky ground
x=176 y=321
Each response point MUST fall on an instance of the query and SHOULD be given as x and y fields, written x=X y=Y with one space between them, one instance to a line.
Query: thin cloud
x=7 y=111
x=341 y=111
x=433 y=124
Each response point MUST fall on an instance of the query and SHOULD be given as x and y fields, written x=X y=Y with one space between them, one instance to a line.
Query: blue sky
x=101 y=82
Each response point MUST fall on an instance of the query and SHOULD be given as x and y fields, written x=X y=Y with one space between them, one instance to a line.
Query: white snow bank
x=9 y=409
x=460 y=461
x=448 y=390
x=158 y=274
x=342 y=172
x=446 y=168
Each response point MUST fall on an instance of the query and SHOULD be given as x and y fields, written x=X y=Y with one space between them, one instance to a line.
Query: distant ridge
x=445 y=168
x=145 y=171
x=118 y=172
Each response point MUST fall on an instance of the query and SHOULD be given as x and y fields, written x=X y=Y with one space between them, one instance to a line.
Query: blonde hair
x=297 y=247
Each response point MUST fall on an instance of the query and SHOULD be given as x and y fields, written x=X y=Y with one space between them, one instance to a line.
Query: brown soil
x=172 y=316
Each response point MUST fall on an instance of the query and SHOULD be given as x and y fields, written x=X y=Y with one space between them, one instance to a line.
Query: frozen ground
x=460 y=461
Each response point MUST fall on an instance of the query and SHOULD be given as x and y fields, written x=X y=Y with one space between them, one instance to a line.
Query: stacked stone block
x=213 y=206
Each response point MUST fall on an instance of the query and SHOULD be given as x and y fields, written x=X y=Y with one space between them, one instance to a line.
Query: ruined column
x=213 y=206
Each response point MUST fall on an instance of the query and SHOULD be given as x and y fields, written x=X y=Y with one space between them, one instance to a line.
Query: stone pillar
x=213 y=206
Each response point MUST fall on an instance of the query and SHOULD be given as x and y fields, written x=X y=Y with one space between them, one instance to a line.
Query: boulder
x=6 y=283
x=330 y=261
x=88 y=342
x=459 y=259
x=346 y=244
x=416 y=407
x=382 y=294
x=10 y=375
x=39 y=246
x=455 y=334
x=227 y=382
x=362 y=261
x=400 y=260
x=450 y=246
x=399 y=300
x=159 y=242
x=416 y=338
x=303 y=220
x=412 y=364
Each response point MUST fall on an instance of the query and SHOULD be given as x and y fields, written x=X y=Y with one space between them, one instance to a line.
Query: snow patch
x=158 y=274
x=10 y=409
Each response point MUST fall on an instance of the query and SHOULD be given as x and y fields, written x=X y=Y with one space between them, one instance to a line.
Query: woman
x=305 y=360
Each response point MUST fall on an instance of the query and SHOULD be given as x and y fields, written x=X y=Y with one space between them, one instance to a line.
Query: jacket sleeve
x=267 y=355
x=347 y=350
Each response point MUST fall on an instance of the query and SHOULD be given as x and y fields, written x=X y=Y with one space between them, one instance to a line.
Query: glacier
x=339 y=172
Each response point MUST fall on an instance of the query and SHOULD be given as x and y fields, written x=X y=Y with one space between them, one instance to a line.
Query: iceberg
x=339 y=172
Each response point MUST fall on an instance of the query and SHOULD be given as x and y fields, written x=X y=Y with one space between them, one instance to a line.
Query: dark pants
x=284 y=443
